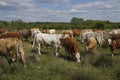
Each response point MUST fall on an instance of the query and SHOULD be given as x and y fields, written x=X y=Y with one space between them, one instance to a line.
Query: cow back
x=10 y=35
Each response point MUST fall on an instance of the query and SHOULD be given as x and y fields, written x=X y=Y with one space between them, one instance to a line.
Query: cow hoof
x=39 y=53
x=57 y=54
x=25 y=66
x=78 y=61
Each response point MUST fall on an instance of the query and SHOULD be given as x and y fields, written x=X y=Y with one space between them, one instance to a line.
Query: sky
x=59 y=10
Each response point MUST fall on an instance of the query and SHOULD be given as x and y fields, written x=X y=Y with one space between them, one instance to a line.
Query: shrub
x=102 y=61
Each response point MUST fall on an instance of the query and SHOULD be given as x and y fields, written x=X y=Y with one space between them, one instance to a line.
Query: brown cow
x=25 y=33
x=11 y=49
x=71 y=47
x=115 y=36
x=10 y=35
x=97 y=30
x=76 y=32
x=113 y=44
x=45 y=31
x=2 y=30
x=68 y=32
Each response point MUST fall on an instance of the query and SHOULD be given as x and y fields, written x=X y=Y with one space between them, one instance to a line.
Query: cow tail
x=34 y=41
x=17 y=47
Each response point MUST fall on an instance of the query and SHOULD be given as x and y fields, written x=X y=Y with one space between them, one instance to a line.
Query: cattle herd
x=11 y=46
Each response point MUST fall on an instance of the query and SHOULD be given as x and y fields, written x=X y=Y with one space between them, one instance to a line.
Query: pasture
x=98 y=65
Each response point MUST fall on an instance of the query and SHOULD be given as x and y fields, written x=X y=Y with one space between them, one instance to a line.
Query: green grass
x=98 y=65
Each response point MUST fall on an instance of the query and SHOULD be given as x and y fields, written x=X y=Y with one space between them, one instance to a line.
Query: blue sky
x=59 y=10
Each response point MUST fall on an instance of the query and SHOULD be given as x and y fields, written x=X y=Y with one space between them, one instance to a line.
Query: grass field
x=98 y=65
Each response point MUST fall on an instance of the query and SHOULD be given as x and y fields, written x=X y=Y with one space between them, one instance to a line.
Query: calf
x=11 y=49
x=71 y=47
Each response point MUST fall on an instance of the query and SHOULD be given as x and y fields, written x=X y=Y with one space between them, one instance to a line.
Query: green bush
x=102 y=61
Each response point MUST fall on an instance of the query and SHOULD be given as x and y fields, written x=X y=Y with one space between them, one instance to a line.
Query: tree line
x=75 y=23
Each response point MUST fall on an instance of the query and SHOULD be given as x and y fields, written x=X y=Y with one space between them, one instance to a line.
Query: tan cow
x=91 y=44
x=11 y=49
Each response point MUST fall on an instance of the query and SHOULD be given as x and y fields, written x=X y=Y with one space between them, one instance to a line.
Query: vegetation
x=74 y=23
x=97 y=65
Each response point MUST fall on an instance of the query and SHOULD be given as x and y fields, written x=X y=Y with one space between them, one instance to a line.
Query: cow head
x=109 y=41
x=82 y=39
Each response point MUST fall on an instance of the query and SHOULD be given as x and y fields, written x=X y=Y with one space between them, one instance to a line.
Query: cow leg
x=33 y=42
x=38 y=48
x=86 y=49
x=78 y=57
x=56 y=50
x=21 y=52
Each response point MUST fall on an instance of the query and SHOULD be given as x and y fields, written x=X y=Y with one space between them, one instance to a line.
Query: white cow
x=47 y=39
x=33 y=31
x=52 y=31
x=98 y=36
x=114 y=31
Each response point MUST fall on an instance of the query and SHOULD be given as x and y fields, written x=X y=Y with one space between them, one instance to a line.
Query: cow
x=97 y=30
x=47 y=40
x=11 y=49
x=114 y=31
x=98 y=36
x=83 y=33
x=50 y=31
x=115 y=36
x=113 y=44
x=25 y=33
x=76 y=32
x=34 y=31
x=2 y=31
x=91 y=44
x=46 y=31
x=68 y=32
x=10 y=35
x=71 y=47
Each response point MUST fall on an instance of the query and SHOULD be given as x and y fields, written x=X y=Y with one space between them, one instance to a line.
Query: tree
x=99 y=25
x=76 y=21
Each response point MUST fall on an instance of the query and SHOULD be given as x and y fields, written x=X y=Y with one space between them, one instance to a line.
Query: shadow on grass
x=36 y=52
x=66 y=57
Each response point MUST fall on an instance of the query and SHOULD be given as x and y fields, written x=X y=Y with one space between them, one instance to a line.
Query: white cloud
x=2 y=3
x=33 y=10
